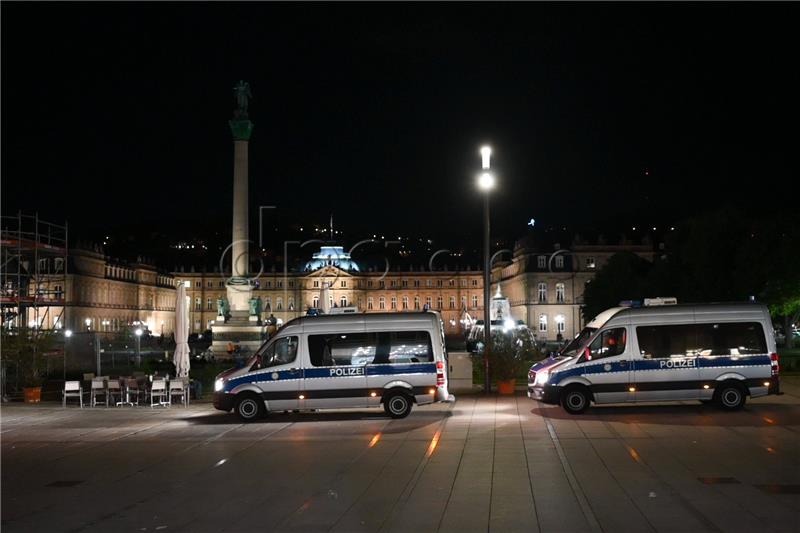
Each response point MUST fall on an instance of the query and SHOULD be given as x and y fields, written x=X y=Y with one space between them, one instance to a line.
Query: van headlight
x=541 y=377
x=218 y=384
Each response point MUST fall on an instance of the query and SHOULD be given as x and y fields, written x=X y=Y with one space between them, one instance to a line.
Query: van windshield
x=575 y=346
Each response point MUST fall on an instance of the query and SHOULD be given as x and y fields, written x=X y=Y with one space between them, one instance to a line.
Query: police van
x=718 y=353
x=359 y=360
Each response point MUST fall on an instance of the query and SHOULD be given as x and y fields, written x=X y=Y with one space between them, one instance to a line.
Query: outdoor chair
x=73 y=389
x=159 y=390
x=114 y=390
x=177 y=388
x=98 y=390
x=132 y=391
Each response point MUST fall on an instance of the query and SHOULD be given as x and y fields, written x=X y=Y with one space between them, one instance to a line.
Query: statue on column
x=222 y=307
x=242 y=96
x=255 y=306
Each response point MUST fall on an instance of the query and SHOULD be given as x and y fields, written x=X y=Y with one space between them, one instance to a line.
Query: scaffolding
x=33 y=272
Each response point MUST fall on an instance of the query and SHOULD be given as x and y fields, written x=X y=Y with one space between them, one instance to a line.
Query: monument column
x=239 y=289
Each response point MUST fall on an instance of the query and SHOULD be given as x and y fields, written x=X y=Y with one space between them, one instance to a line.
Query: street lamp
x=486 y=183
x=67 y=335
x=88 y=323
x=138 y=333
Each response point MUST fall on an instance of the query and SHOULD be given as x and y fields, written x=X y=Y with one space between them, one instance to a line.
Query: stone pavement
x=481 y=464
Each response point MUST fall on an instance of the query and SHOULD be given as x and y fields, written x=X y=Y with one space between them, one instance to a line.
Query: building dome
x=331 y=256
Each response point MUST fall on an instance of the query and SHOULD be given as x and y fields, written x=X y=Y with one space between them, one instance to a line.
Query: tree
x=623 y=277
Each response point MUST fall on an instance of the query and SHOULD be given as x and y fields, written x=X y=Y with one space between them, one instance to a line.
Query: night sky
x=115 y=115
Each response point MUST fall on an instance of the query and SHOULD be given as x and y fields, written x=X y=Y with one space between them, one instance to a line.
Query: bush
x=512 y=353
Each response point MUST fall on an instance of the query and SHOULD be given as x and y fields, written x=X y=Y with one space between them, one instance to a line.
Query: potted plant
x=24 y=350
x=511 y=355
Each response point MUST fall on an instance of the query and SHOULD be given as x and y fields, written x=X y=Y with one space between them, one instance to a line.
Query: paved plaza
x=484 y=463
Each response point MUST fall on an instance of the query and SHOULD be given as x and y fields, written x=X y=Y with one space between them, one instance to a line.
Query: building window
x=560 y=293
x=405 y=302
x=452 y=283
x=316 y=283
x=543 y=323
x=369 y=302
x=315 y=302
x=279 y=284
x=452 y=302
x=291 y=284
x=416 y=302
x=474 y=301
x=405 y=283
x=428 y=283
x=369 y=284
x=394 y=302
x=267 y=284
x=590 y=263
x=208 y=304
x=210 y=284
x=416 y=283
x=561 y=325
x=542 y=292
x=428 y=301
x=291 y=303
x=439 y=304
x=279 y=304
x=343 y=301
x=463 y=302
x=197 y=304
x=541 y=261
x=268 y=303
x=198 y=284
x=382 y=303
x=559 y=261
x=438 y=283
x=221 y=283
x=343 y=284
x=382 y=283
x=474 y=282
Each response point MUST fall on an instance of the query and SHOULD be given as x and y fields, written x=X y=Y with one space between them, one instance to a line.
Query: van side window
x=281 y=352
x=399 y=347
x=609 y=343
x=660 y=342
x=740 y=338
x=342 y=349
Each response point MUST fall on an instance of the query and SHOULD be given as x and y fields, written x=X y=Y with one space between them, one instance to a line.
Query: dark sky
x=115 y=115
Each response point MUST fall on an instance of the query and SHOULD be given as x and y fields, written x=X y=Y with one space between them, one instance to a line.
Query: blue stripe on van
x=325 y=372
x=720 y=361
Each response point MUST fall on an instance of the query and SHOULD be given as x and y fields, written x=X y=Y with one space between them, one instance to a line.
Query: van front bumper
x=223 y=401
x=545 y=394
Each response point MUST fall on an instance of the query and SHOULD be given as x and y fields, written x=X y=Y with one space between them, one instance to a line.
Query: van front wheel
x=575 y=399
x=250 y=407
x=397 y=405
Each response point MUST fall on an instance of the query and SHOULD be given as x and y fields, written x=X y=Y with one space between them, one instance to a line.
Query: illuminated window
x=405 y=302
x=197 y=304
x=382 y=302
x=416 y=302
x=369 y=302
x=591 y=263
x=452 y=302
x=394 y=302
x=543 y=323
x=560 y=324
x=474 y=301
x=542 y=290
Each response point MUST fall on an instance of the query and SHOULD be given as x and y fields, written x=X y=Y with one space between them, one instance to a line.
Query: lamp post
x=67 y=335
x=138 y=334
x=486 y=184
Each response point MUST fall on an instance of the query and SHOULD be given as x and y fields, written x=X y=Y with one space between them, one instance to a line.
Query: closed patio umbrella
x=181 y=358
x=325 y=298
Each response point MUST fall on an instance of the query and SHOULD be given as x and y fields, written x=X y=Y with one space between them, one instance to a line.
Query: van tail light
x=776 y=364
x=440 y=374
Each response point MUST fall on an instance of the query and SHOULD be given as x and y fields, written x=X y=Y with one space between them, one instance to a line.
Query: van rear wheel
x=397 y=405
x=250 y=407
x=731 y=396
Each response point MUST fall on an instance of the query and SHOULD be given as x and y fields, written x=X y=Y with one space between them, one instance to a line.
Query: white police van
x=340 y=361
x=710 y=352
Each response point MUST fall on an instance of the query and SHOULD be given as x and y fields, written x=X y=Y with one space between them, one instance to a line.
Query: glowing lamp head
x=138 y=332
x=88 y=322
x=486 y=154
x=486 y=181
x=68 y=333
